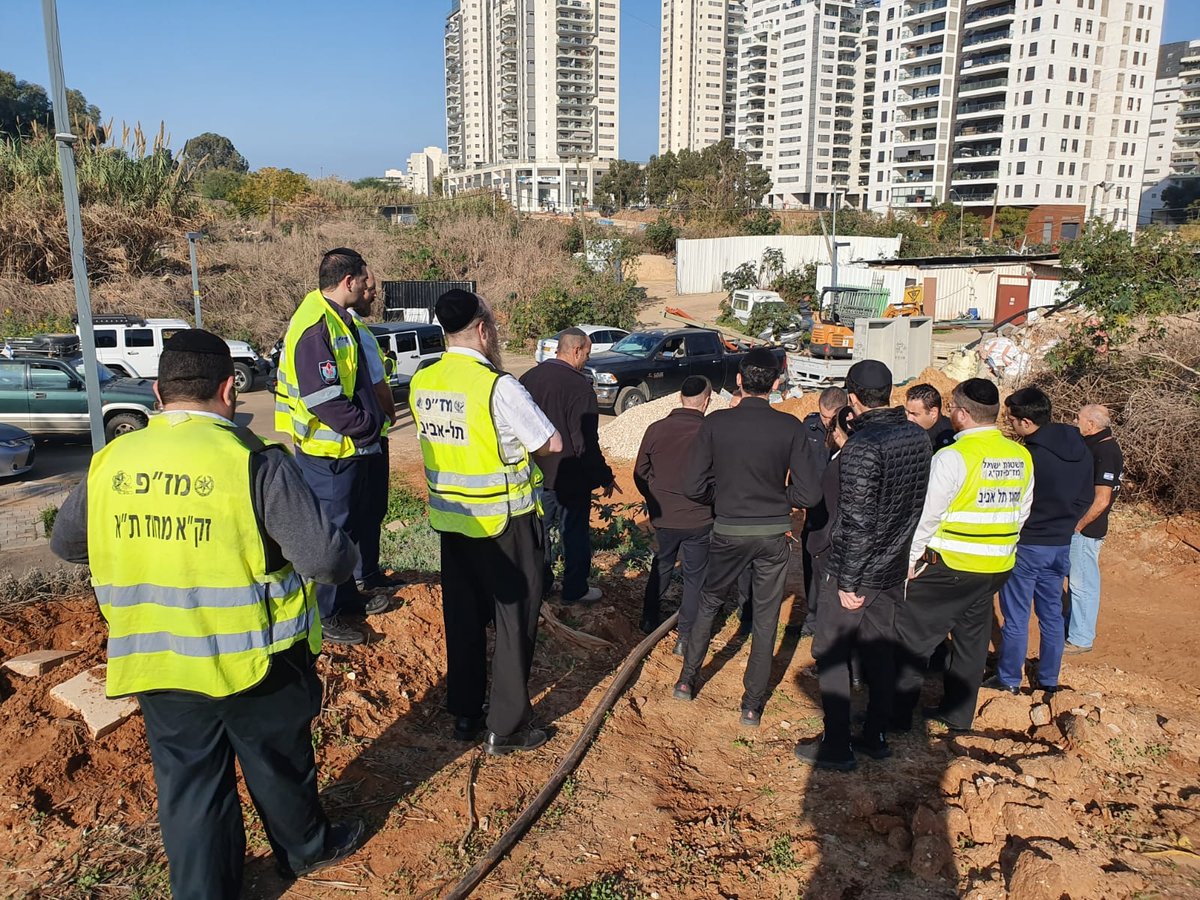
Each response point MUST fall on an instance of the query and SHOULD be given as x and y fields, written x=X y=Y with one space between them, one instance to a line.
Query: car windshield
x=106 y=374
x=638 y=345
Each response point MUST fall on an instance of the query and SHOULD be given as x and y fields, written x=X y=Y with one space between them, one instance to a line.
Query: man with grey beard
x=479 y=431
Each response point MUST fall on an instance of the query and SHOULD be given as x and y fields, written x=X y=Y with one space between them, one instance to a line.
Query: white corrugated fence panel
x=699 y=264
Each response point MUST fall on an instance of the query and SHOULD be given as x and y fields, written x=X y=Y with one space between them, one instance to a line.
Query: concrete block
x=39 y=662
x=85 y=694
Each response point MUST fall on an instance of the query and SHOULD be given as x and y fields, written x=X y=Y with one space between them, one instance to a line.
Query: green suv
x=44 y=394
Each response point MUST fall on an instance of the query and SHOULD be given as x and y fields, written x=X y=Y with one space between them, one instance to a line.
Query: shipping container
x=413 y=301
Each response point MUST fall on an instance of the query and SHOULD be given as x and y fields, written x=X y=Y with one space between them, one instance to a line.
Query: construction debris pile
x=621 y=437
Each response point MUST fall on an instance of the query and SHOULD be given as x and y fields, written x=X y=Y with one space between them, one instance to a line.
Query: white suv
x=130 y=345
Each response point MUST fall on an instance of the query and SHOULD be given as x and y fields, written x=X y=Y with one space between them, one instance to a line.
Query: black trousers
x=868 y=632
x=728 y=556
x=690 y=545
x=484 y=580
x=193 y=743
x=341 y=489
x=375 y=504
x=810 y=585
x=571 y=515
x=942 y=600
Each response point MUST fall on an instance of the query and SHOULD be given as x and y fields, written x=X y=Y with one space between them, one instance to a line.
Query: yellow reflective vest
x=293 y=415
x=179 y=563
x=472 y=490
x=979 y=530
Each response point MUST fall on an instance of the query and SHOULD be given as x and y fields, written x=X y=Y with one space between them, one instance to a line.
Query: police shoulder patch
x=329 y=372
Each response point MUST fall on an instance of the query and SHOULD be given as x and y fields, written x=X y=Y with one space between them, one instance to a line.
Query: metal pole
x=833 y=246
x=192 y=237
x=66 y=164
x=995 y=205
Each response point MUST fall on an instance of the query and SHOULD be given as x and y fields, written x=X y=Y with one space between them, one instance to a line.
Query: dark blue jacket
x=1062 y=485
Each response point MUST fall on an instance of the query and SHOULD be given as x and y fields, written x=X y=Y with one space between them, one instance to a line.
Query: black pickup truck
x=647 y=365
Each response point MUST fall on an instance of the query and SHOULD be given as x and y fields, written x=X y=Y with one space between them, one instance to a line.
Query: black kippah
x=456 y=309
x=981 y=391
x=694 y=386
x=196 y=340
x=761 y=358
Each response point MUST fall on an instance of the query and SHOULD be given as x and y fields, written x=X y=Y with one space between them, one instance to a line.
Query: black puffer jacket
x=885 y=472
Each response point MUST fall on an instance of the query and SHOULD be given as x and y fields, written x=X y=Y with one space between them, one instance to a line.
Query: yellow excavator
x=841 y=307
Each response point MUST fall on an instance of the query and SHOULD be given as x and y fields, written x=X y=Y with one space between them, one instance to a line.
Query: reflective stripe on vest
x=370 y=344
x=472 y=490
x=979 y=531
x=179 y=563
x=293 y=413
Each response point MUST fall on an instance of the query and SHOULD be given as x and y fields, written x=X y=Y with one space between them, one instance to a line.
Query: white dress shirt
x=520 y=423
x=947 y=475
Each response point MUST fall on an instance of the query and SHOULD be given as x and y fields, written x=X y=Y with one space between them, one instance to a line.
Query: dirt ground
x=1101 y=798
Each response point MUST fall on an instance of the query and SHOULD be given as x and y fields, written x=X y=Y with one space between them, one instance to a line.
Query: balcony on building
x=924 y=33
x=920 y=176
x=987 y=37
x=995 y=84
x=923 y=51
x=972 y=109
x=986 y=63
x=986 y=148
x=916 y=137
x=919 y=74
x=914 y=158
x=989 y=11
x=971 y=173
x=918 y=12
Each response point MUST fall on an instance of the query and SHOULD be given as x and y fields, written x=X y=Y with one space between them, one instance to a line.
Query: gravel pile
x=622 y=436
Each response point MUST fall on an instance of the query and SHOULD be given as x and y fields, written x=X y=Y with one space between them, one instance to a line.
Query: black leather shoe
x=342 y=840
x=681 y=646
x=935 y=714
x=529 y=739
x=335 y=631
x=750 y=718
x=648 y=624
x=469 y=728
x=822 y=755
x=365 y=605
x=1049 y=689
x=379 y=581
x=875 y=746
x=683 y=691
x=995 y=684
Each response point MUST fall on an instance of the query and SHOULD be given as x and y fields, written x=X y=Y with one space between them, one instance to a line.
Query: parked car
x=647 y=365
x=131 y=346
x=44 y=394
x=602 y=337
x=413 y=345
x=745 y=301
x=16 y=451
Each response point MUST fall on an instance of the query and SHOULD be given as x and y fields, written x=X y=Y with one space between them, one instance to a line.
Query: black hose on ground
x=570 y=762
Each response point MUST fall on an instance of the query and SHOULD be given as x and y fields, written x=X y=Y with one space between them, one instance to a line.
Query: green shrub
x=661 y=236
x=591 y=297
x=761 y=222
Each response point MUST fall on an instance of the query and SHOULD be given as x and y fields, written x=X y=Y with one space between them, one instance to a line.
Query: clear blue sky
x=349 y=89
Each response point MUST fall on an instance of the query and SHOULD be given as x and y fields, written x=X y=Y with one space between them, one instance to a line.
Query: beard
x=491 y=346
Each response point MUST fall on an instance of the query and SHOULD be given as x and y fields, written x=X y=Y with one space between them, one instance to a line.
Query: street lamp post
x=192 y=237
x=962 y=214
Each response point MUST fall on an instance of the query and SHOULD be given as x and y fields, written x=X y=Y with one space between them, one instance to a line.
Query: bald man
x=1095 y=425
x=565 y=395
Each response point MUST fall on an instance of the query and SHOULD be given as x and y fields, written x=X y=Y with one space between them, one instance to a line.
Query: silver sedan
x=16 y=451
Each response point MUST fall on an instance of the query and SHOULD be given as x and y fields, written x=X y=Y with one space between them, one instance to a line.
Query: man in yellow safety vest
x=325 y=401
x=204 y=541
x=964 y=548
x=479 y=430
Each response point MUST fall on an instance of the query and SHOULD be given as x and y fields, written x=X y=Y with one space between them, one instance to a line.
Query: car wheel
x=629 y=398
x=122 y=423
x=243 y=377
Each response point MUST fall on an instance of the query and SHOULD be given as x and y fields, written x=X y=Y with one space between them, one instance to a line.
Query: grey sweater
x=283 y=503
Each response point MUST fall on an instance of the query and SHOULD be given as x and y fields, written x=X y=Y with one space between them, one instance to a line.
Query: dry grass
x=1152 y=390
x=252 y=276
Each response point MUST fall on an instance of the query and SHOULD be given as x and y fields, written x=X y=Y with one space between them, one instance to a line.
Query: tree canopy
x=25 y=106
x=209 y=151
x=256 y=191
x=621 y=185
x=718 y=181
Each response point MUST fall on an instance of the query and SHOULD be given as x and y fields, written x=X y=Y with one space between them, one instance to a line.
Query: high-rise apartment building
x=803 y=106
x=1173 y=151
x=698 y=72
x=532 y=92
x=425 y=167
x=1031 y=103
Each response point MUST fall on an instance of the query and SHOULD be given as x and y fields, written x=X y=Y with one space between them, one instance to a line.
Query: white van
x=131 y=346
x=744 y=301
